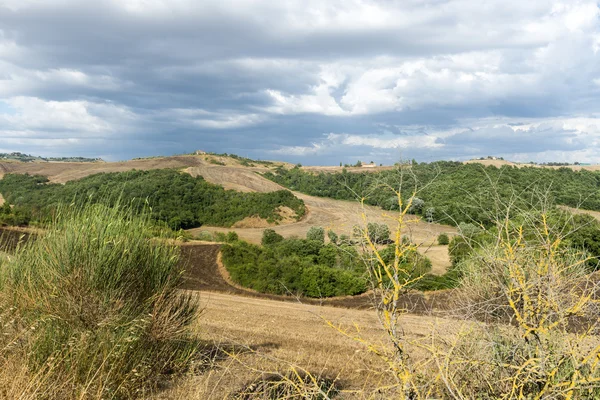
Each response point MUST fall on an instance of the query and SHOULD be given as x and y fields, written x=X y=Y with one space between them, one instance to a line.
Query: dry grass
x=595 y=214
x=271 y=336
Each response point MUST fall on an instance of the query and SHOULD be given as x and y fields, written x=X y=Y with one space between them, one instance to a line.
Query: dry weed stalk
x=538 y=303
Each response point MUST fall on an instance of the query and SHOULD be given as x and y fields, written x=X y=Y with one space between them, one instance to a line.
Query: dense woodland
x=178 y=199
x=452 y=192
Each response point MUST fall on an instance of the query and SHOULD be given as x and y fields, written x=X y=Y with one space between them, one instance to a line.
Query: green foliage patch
x=451 y=192
x=296 y=266
x=179 y=200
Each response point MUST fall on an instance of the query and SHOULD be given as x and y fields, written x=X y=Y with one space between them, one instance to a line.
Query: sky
x=311 y=81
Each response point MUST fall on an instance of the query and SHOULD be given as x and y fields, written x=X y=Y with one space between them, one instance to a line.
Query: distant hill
x=498 y=162
x=17 y=156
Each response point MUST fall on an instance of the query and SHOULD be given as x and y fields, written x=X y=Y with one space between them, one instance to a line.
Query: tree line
x=451 y=192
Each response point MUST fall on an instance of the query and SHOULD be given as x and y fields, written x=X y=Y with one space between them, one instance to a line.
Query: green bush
x=320 y=281
x=316 y=233
x=297 y=266
x=378 y=233
x=333 y=237
x=232 y=237
x=269 y=237
x=102 y=298
x=443 y=239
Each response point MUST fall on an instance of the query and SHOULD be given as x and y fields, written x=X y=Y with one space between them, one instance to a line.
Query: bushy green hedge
x=178 y=199
x=296 y=266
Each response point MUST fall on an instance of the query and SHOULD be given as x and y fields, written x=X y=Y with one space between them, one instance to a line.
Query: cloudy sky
x=311 y=81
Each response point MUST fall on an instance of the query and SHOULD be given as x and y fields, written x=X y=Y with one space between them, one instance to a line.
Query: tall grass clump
x=90 y=309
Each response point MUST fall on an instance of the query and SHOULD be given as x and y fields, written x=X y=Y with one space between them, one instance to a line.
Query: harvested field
x=338 y=215
x=62 y=172
x=271 y=336
x=204 y=272
x=595 y=214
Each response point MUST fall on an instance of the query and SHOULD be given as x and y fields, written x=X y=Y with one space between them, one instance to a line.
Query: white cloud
x=34 y=117
x=382 y=75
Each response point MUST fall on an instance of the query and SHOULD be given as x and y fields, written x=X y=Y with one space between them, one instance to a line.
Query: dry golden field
x=595 y=214
x=270 y=336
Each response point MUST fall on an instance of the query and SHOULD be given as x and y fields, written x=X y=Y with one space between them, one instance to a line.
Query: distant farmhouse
x=199 y=152
x=369 y=165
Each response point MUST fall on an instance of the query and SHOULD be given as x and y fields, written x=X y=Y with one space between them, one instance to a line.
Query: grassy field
x=278 y=335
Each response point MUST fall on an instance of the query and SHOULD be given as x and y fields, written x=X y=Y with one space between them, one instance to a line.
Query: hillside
x=500 y=163
x=247 y=339
x=328 y=213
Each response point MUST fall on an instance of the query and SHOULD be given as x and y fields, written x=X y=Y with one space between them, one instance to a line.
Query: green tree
x=333 y=237
x=316 y=233
x=443 y=239
x=270 y=237
x=378 y=233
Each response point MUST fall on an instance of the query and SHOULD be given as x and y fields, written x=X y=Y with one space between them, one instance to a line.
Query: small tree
x=378 y=233
x=430 y=214
x=232 y=237
x=270 y=237
x=468 y=230
x=333 y=237
x=316 y=233
x=416 y=206
x=443 y=239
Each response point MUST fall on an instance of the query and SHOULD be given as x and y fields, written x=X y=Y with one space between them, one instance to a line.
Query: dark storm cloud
x=307 y=81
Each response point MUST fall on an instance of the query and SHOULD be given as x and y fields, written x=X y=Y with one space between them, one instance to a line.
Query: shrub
x=269 y=237
x=443 y=239
x=232 y=237
x=316 y=233
x=333 y=237
x=378 y=233
x=319 y=281
x=205 y=236
x=297 y=266
x=100 y=297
